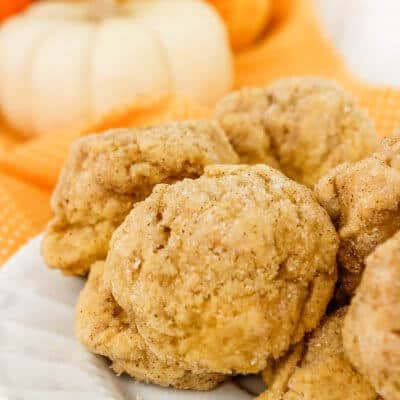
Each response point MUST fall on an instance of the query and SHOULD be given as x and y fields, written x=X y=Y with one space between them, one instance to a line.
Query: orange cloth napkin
x=292 y=44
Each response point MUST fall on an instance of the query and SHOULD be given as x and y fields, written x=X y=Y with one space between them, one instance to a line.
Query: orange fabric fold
x=296 y=45
x=291 y=44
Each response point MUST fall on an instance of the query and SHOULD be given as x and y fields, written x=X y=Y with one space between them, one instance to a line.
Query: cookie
x=303 y=126
x=371 y=331
x=227 y=270
x=105 y=329
x=105 y=175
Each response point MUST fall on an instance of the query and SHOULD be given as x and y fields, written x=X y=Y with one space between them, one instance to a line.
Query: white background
x=367 y=34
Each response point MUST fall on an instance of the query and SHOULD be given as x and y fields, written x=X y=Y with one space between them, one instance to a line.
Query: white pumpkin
x=66 y=65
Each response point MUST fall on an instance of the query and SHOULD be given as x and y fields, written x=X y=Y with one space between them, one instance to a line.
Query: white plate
x=39 y=356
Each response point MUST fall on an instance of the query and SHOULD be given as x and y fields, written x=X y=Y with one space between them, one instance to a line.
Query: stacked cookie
x=208 y=253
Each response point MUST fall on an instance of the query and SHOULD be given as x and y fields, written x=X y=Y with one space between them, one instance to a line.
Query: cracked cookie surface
x=303 y=126
x=371 y=332
x=105 y=329
x=226 y=270
x=317 y=369
x=106 y=174
x=363 y=200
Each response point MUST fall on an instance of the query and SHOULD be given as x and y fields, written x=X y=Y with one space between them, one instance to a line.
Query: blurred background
x=169 y=60
x=367 y=35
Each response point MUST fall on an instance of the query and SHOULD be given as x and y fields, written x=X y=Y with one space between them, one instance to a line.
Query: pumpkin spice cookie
x=371 y=331
x=106 y=174
x=105 y=329
x=317 y=369
x=363 y=200
x=306 y=126
x=225 y=271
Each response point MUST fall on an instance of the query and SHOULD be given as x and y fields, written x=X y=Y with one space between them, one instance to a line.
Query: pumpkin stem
x=101 y=9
